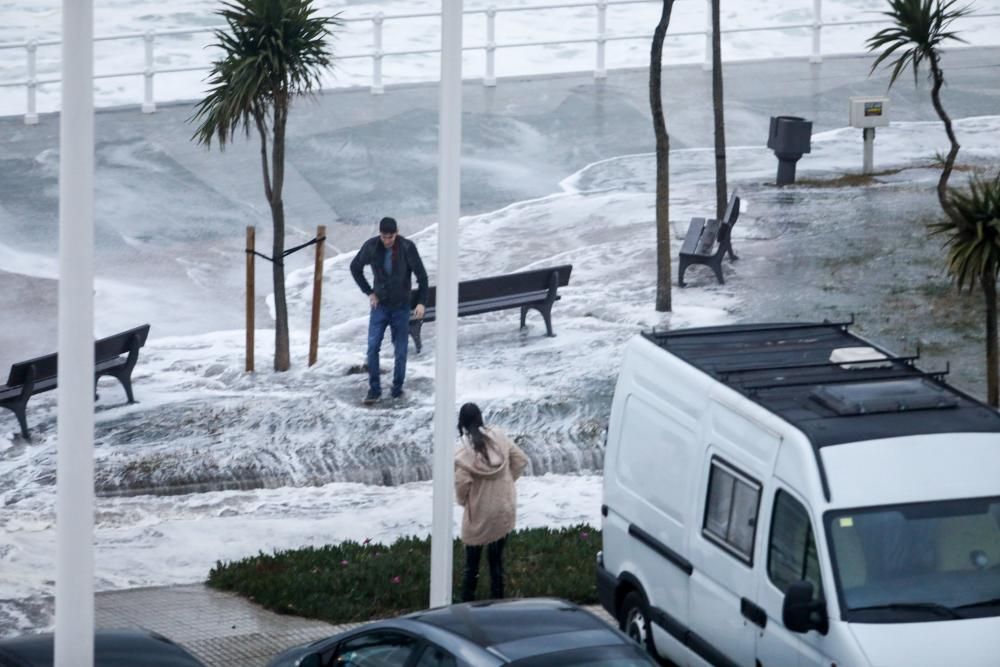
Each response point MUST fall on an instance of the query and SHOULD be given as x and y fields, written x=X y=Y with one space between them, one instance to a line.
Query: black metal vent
x=865 y=398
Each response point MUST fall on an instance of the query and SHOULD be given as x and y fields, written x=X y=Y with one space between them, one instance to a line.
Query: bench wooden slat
x=535 y=289
x=489 y=305
x=708 y=240
x=113 y=355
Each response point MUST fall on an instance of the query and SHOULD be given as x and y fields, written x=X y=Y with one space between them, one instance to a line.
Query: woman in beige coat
x=486 y=465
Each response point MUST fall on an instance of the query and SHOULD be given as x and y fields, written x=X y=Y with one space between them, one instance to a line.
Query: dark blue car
x=112 y=648
x=525 y=633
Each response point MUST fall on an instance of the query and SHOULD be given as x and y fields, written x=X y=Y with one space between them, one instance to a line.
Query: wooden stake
x=317 y=294
x=250 y=297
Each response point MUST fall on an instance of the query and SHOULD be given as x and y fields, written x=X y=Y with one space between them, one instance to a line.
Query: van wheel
x=633 y=619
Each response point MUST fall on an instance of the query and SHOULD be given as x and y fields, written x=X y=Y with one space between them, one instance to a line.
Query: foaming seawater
x=559 y=435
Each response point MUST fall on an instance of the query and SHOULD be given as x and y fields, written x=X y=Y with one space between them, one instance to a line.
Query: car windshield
x=625 y=655
x=917 y=562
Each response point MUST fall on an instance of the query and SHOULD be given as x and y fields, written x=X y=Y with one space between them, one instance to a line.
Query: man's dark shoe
x=371 y=398
x=396 y=393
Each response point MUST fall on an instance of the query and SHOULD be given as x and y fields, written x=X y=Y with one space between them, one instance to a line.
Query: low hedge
x=352 y=582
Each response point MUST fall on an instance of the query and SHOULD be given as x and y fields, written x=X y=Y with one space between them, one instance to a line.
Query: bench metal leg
x=546 y=310
x=19 y=411
x=127 y=383
x=729 y=251
x=717 y=268
x=684 y=264
x=415 y=326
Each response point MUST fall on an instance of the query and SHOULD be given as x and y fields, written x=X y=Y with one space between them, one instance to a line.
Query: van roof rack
x=786 y=368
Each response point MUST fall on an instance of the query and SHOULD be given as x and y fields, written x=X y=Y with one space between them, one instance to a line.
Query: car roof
x=112 y=648
x=521 y=628
x=788 y=369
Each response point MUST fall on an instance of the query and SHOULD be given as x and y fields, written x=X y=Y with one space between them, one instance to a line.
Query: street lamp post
x=446 y=298
x=74 y=623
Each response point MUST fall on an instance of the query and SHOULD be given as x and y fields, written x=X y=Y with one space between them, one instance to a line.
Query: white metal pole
x=31 y=117
x=490 y=80
x=600 y=71
x=707 y=63
x=446 y=303
x=74 y=626
x=377 y=88
x=868 y=159
x=817 y=49
x=148 y=105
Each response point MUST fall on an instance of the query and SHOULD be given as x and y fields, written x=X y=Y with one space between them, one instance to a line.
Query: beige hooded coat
x=486 y=489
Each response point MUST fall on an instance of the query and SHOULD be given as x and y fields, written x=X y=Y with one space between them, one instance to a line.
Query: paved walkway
x=222 y=629
x=554 y=113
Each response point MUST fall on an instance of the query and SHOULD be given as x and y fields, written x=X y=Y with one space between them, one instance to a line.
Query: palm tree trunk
x=721 y=195
x=663 y=270
x=942 y=189
x=989 y=283
x=281 y=352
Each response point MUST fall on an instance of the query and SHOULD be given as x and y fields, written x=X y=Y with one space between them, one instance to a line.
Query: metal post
x=490 y=80
x=446 y=304
x=251 y=296
x=148 y=105
x=869 y=155
x=74 y=616
x=31 y=117
x=377 y=88
x=707 y=63
x=817 y=53
x=317 y=295
x=600 y=71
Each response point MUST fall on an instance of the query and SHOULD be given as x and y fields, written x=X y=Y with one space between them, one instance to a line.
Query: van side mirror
x=800 y=613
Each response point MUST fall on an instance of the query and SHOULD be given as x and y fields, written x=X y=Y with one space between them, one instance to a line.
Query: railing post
x=490 y=80
x=148 y=105
x=707 y=64
x=31 y=117
x=817 y=53
x=600 y=71
x=377 y=88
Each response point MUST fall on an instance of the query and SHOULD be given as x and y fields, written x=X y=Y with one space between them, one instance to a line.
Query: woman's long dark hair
x=470 y=421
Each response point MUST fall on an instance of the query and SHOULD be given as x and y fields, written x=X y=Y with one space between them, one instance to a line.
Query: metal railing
x=600 y=39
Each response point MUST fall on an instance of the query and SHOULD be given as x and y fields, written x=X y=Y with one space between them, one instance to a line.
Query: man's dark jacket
x=393 y=291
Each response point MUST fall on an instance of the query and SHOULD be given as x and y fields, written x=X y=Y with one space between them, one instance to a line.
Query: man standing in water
x=393 y=260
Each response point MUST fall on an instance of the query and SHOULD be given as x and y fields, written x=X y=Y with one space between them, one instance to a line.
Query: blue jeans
x=398 y=320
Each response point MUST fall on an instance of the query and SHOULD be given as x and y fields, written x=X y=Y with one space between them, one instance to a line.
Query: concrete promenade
x=354 y=156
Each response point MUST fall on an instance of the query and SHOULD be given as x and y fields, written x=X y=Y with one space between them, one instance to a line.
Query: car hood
x=290 y=657
x=931 y=644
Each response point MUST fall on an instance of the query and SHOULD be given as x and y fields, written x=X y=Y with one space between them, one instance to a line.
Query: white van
x=780 y=495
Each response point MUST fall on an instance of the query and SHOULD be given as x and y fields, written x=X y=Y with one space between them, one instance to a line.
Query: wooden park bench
x=528 y=290
x=115 y=356
x=708 y=240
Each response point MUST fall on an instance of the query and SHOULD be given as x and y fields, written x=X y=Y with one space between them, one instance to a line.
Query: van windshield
x=933 y=561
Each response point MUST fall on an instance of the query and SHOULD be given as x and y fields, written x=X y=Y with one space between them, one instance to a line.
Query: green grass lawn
x=352 y=582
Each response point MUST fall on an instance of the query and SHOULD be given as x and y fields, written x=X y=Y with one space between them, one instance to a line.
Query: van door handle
x=752 y=612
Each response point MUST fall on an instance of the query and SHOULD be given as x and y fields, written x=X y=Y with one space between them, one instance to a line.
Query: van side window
x=731 y=511
x=791 y=554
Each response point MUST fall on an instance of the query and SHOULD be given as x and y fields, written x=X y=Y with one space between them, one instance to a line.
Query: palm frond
x=972 y=232
x=272 y=50
x=919 y=28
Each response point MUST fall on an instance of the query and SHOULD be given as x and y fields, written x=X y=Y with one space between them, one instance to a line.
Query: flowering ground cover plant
x=360 y=581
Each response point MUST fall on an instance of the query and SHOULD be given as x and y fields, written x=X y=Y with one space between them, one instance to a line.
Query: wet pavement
x=170 y=214
x=811 y=252
x=222 y=629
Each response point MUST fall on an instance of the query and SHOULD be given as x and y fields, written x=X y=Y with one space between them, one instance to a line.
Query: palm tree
x=920 y=28
x=973 y=242
x=721 y=195
x=272 y=51
x=662 y=162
